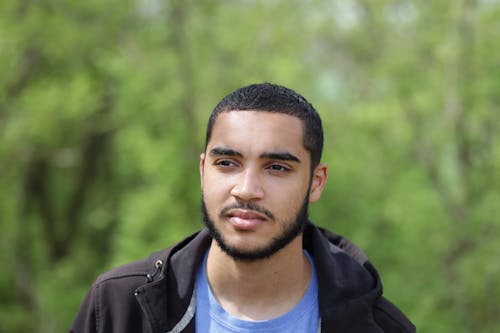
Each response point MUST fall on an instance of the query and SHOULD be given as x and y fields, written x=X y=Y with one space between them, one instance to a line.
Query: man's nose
x=248 y=186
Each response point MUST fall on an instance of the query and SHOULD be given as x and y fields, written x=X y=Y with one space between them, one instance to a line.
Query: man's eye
x=224 y=163
x=279 y=167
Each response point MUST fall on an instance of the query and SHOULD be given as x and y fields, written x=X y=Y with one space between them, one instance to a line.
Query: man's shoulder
x=147 y=268
x=341 y=243
x=137 y=268
x=390 y=317
x=349 y=278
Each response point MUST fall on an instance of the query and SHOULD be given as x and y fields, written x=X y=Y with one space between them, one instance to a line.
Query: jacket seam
x=97 y=309
x=128 y=274
x=145 y=305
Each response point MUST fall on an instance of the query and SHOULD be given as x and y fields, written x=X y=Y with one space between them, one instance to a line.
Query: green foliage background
x=103 y=106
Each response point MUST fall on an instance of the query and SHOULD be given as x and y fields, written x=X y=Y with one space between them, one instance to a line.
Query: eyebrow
x=282 y=156
x=285 y=156
x=219 y=151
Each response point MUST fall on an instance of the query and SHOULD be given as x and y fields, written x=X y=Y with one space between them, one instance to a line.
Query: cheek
x=215 y=190
x=286 y=203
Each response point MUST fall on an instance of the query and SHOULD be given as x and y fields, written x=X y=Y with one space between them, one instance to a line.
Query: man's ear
x=318 y=182
x=202 y=165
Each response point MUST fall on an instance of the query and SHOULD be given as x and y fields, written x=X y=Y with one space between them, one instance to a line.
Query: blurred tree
x=103 y=107
x=414 y=86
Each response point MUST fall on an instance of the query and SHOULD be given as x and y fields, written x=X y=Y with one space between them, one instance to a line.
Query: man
x=259 y=265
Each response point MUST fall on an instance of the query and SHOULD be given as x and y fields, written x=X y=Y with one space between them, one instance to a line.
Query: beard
x=289 y=231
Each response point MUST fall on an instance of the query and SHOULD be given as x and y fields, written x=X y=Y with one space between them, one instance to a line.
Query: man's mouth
x=245 y=219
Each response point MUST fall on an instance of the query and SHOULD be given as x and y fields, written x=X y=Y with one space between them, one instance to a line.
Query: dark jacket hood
x=349 y=284
x=349 y=290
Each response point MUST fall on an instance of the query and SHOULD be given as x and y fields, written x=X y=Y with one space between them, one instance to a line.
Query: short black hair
x=270 y=97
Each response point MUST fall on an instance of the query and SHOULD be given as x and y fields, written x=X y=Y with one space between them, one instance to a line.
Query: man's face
x=256 y=182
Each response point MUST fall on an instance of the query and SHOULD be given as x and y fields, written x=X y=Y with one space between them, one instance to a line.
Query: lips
x=245 y=219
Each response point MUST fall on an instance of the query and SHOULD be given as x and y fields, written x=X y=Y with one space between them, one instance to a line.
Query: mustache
x=247 y=206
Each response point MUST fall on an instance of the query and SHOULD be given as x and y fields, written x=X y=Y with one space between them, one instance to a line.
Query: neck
x=260 y=289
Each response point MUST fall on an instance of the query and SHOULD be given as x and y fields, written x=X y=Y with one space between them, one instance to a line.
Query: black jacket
x=157 y=294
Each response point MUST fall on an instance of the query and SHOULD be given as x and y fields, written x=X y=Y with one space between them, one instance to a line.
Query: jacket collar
x=166 y=300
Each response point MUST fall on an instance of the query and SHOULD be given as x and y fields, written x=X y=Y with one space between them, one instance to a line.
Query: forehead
x=258 y=131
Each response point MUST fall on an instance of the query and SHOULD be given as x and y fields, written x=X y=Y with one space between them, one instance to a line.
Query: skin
x=257 y=158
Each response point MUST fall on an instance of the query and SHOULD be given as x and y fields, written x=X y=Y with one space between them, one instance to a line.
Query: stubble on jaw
x=290 y=230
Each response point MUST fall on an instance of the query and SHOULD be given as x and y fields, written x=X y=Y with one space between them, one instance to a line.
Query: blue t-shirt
x=212 y=318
